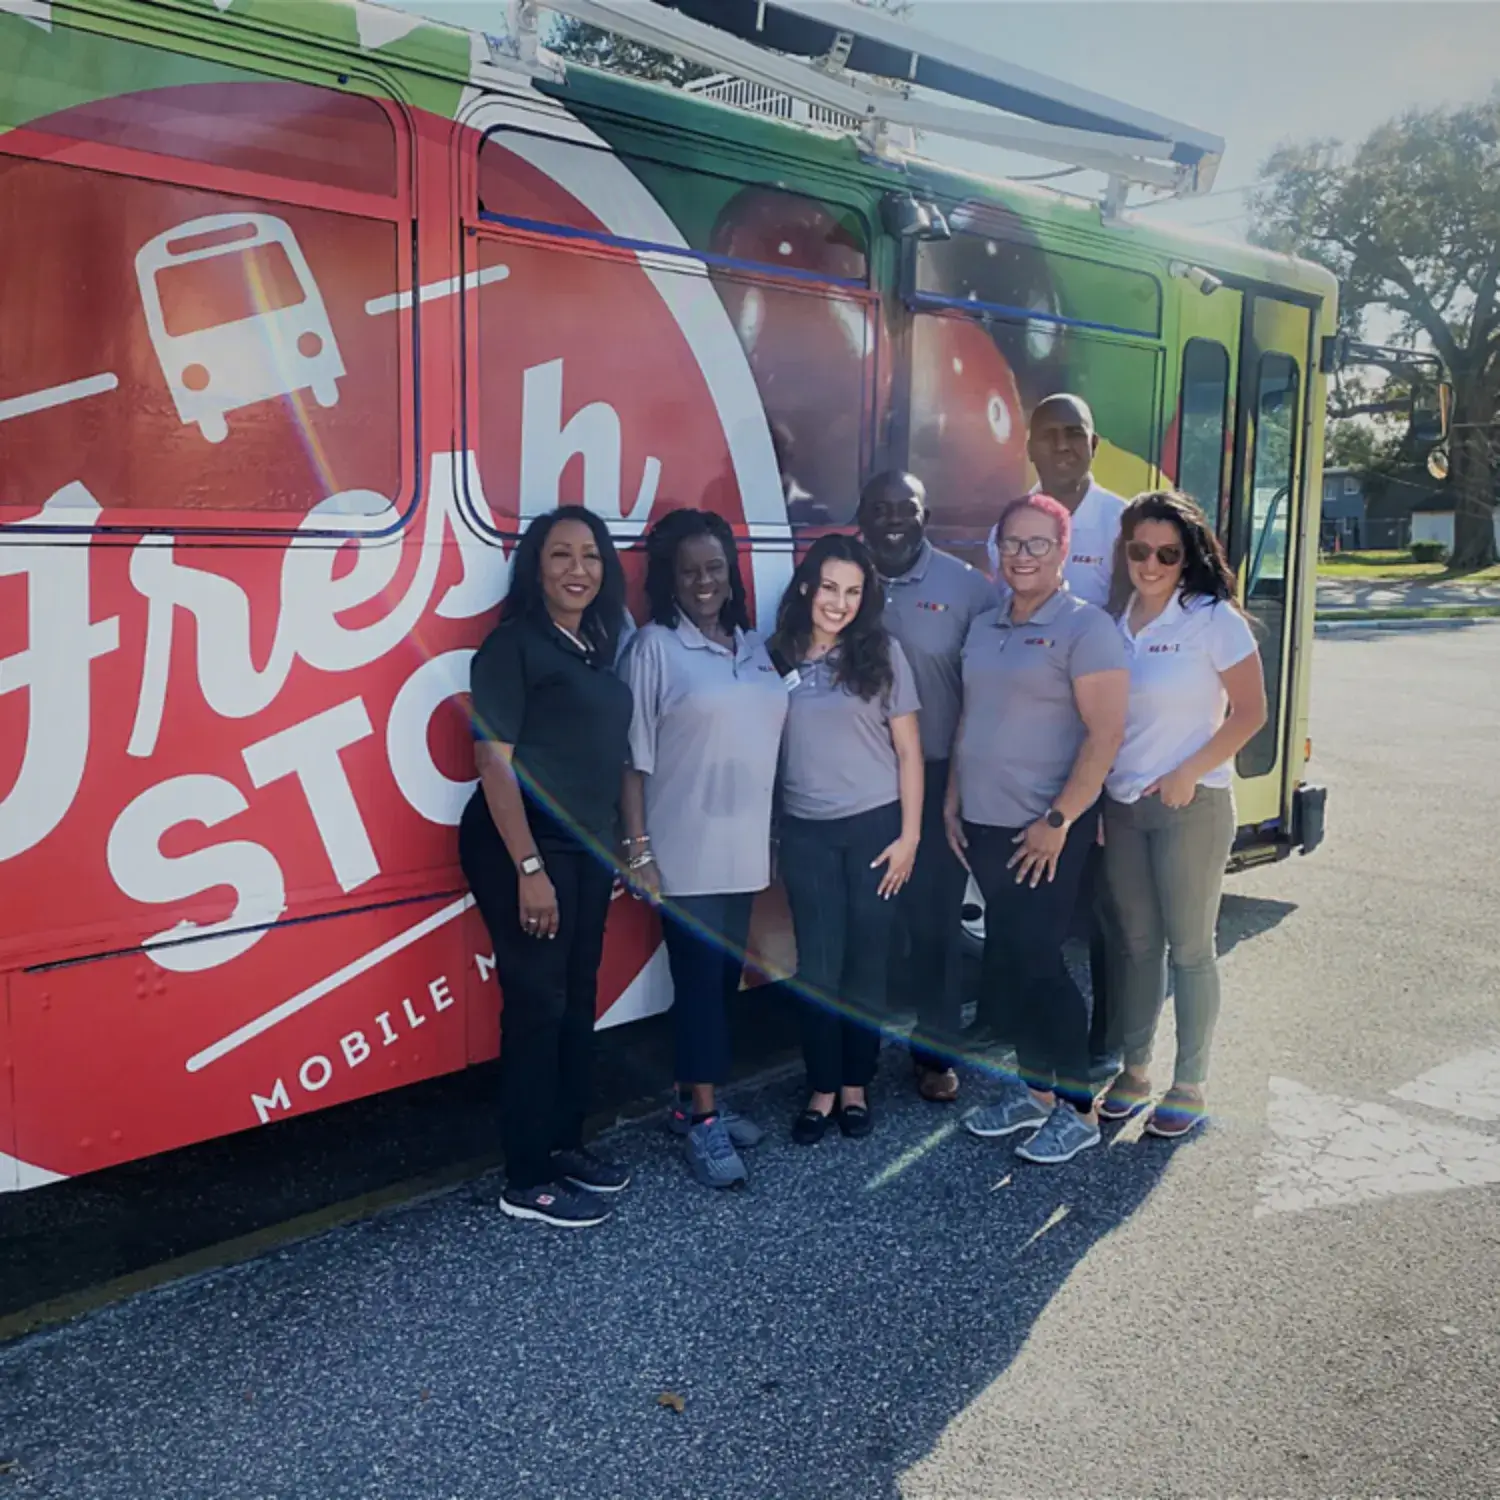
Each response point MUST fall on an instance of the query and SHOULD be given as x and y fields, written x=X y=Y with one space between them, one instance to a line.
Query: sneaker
x=1014 y=1111
x=1065 y=1134
x=554 y=1203
x=1124 y=1098
x=744 y=1133
x=586 y=1169
x=1179 y=1113
x=711 y=1155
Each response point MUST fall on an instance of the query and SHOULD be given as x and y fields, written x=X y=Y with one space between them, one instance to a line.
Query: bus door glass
x=1267 y=522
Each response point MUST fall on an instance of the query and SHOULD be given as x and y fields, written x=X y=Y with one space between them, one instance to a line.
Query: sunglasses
x=1168 y=556
x=1032 y=546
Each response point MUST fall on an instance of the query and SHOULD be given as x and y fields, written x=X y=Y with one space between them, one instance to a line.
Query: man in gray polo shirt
x=930 y=601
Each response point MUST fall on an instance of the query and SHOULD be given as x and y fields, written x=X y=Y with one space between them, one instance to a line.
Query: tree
x=597 y=48
x=1410 y=221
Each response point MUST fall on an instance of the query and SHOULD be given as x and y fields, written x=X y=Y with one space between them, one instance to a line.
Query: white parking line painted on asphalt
x=1467 y=1086
x=1330 y=1151
x=57 y=395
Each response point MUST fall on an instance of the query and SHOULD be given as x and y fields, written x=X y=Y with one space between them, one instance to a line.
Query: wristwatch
x=1055 y=818
x=531 y=865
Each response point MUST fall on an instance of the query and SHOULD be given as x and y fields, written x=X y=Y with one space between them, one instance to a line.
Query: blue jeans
x=705 y=938
x=843 y=930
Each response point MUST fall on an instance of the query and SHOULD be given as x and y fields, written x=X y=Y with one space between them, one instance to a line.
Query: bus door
x=1265 y=522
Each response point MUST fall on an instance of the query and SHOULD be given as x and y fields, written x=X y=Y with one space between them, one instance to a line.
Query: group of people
x=1064 y=732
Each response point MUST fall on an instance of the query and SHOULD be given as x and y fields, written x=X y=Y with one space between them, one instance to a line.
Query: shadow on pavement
x=1243 y=918
x=822 y=1328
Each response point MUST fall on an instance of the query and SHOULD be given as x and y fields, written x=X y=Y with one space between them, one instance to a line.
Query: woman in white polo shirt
x=704 y=739
x=851 y=816
x=1197 y=697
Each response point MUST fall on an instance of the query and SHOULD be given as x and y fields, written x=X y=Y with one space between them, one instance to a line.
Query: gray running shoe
x=711 y=1155
x=554 y=1203
x=744 y=1133
x=1065 y=1134
x=1013 y=1111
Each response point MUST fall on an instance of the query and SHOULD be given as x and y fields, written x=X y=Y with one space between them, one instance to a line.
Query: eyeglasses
x=1032 y=546
x=1168 y=556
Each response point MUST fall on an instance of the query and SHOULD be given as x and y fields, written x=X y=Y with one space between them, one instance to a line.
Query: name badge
x=792 y=680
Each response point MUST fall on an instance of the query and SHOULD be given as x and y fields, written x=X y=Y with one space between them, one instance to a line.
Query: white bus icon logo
x=235 y=317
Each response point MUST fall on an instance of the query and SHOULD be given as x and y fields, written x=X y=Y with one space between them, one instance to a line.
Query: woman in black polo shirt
x=538 y=843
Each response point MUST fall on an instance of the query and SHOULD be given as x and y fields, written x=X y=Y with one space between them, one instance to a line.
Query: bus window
x=1203 y=417
x=85 y=86
x=785 y=268
x=1272 y=493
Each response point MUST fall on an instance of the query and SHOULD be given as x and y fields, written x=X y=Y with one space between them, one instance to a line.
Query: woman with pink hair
x=1045 y=685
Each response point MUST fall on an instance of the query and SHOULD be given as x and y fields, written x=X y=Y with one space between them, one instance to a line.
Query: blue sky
x=1256 y=72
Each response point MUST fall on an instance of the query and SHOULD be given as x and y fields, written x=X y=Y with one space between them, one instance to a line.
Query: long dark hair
x=864 y=649
x=1205 y=569
x=662 y=542
x=604 y=618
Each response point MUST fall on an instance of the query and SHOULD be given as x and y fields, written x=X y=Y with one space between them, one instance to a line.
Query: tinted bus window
x=1203 y=417
x=1272 y=496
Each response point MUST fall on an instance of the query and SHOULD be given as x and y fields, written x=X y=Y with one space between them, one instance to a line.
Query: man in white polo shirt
x=1061 y=443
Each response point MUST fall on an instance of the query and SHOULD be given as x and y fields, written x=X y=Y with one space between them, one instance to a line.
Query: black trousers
x=843 y=930
x=1042 y=1009
x=549 y=988
x=705 y=937
x=1093 y=925
x=927 y=918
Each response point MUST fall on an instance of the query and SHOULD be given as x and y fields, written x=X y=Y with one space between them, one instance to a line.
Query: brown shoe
x=937 y=1085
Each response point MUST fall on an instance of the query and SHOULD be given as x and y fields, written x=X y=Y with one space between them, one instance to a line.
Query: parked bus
x=302 y=322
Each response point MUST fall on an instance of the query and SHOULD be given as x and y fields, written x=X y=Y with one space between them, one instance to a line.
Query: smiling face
x=1031 y=554
x=893 y=521
x=836 y=600
x=1152 y=577
x=701 y=580
x=572 y=571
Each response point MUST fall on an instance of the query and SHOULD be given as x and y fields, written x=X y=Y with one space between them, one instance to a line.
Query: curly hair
x=605 y=617
x=1205 y=568
x=864 y=649
x=662 y=543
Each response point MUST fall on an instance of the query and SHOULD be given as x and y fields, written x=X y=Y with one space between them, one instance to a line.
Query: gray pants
x=1164 y=867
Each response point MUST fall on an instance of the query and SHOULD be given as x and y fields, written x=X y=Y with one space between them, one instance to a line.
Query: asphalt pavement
x=1298 y=1302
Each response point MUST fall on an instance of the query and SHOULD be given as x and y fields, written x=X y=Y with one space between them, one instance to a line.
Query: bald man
x=1061 y=443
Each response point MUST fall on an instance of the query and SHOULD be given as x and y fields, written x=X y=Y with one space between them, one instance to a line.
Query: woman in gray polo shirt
x=704 y=740
x=851 y=802
x=1045 y=686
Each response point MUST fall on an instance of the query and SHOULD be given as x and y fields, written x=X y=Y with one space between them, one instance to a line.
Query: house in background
x=1378 y=511
x=1343 y=511
x=1432 y=521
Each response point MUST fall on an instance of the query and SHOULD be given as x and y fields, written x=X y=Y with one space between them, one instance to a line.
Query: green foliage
x=1409 y=220
x=1429 y=552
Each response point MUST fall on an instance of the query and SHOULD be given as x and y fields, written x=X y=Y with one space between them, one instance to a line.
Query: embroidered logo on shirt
x=1160 y=650
x=1085 y=561
x=1037 y=640
x=933 y=605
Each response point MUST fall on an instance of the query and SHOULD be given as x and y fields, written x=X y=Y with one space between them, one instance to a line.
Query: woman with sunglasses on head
x=538 y=847
x=704 y=741
x=1044 y=686
x=1197 y=698
x=851 y=803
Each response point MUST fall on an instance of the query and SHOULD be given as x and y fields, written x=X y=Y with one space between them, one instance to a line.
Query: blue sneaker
x=1015 y=1110
x=744 y=1133
x=554 y=1203
x=1065 y=1134
x=711 y=1155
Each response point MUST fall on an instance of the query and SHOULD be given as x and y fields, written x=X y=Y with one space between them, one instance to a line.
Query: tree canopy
x=1409 y=220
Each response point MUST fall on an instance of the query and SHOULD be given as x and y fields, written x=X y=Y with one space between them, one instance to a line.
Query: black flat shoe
x=809 y=1127
x=855 y=1120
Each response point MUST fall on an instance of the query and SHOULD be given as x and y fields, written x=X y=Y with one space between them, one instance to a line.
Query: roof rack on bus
x=849 y=60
